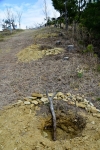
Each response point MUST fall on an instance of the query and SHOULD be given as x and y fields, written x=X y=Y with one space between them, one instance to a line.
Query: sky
x=32 y=11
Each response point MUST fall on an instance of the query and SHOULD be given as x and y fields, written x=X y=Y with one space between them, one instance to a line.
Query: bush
x=89 y=49
x=98 y=67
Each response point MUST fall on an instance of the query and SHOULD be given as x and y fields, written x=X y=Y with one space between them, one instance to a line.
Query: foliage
x=98 y=67
x=89 y=49
x=79 y=72
x=91 y=17
x=71 y=6
x=98 y=98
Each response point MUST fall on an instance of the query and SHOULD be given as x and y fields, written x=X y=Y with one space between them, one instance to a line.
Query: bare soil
x=22 y=129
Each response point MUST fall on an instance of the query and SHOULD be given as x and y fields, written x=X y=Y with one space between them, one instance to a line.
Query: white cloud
x=32 y=14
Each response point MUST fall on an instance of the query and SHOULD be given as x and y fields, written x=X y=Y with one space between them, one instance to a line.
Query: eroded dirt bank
x=29 y=127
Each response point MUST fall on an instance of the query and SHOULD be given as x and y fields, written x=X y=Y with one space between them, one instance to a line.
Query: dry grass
x=33 y=52
x=26 y=74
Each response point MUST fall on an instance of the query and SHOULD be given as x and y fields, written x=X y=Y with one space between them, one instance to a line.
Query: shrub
x=89 y=49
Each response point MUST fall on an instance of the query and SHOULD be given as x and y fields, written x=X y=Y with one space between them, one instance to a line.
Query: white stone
x=79 y=98
x=35 y=102
x=91 y=104
x=37 y=95
x=43 y=99
x=86 y=101
x=30 y=97
x=96 y=115
x=70 y=47
x=68 y=94
x=45 y=134
x=27 y=103
x=92 y=122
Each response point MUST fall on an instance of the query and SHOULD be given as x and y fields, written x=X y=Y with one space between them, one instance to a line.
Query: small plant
x=98 y=98
x=89 y=49
x=79 y=72
x=1 y=39
x=98 y=67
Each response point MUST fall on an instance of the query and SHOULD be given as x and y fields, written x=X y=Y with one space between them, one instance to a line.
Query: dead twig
x=53 y=114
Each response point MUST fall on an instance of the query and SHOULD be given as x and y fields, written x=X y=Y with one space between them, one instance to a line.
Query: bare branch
x=53 y=114
x=19 y=15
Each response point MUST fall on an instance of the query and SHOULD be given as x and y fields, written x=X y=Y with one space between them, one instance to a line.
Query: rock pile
x=78 y=100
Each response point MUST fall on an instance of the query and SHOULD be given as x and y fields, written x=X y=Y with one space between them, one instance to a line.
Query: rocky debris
x=38 y=95
x=35 y=102
x=58 y=43
x=66 y=58
x=96 y=115
x=70 y=48
x=44 y=99
x=27 y=103
x=78 y=100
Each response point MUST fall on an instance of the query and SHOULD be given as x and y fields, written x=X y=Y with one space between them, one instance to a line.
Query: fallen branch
x=53 y=114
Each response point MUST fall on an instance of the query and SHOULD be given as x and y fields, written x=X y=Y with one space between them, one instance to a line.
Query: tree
x=9 y=22
x=91 y=17
x=19 y=15
x=45 y=10
x=66 y=5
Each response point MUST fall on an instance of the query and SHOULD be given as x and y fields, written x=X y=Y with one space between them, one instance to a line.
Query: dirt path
x=8 y=64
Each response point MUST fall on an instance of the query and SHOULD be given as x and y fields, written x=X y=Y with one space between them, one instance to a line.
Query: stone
x=71 y=103
x=60 y=95
x=74 y=99
x=58 y=43
x=98 y=110
x=18 y=103
x=96 y=115
x=37 y=95
x=35 y=102
x=45 y=134
x=82 y=96
x=68 y=94
x=66 y=58
x=68 y=99
x=93 y=122
x=55 y=98
x=70 y=48
x=65 y=100
x=27 y=99
x=76 y=89
x=88 y=108
x=91 y=104
x=79 y=99
x=93 y=109
x=39 y=101
x=33 y=97
x=43 y=99
x=32 y=105
x=27 y=103
x=50 y=94
x=81 y=105
x=85 y=101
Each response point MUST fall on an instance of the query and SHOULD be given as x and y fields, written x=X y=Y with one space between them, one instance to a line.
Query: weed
x=98 y=67
x=89 y=49
x=1 y=39
x=98 y=98
x=79 y=72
